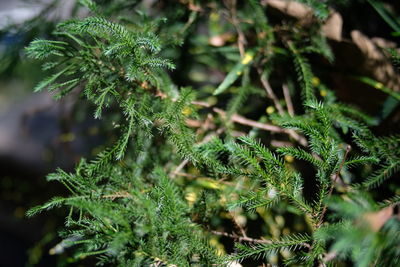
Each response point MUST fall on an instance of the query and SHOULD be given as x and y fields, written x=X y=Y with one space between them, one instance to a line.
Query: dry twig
x=288 y=99
x=264 y=126
x=270 y=92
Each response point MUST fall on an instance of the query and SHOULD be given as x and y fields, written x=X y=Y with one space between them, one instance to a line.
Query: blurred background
x=38 y=134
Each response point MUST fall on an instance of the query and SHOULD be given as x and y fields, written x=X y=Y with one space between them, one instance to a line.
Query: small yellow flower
x=280 y=220
x=238 y=73
x=270 y=110
x=315 y=81
x=247 y=58
x=187 y=111
x=212 y=100
x=216 y=244
x=289 y=159
x=378 y=85
x=323 y=93
x=191 y=197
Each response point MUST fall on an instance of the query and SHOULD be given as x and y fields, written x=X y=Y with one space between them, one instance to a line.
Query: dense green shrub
x=219 y=134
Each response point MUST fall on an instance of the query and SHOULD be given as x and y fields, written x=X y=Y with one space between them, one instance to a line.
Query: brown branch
x=231 y=4
x=278 y=106
x=328 y=257
x=348 y=148
x=288 y=99
x=180 y=167
x=122 y=194
x=201 y=103
x=270 y=92
x=242 y=120
x=277 y=143
x=200 y=124
x=241 y=238
x=248 y=239
x=264 y=126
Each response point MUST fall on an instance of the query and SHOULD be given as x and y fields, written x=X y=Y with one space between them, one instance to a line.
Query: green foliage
x=386 y=15
x=357 y=216
x=290 y=243
x=160 y=193
x=125 y=223
x=304 y=73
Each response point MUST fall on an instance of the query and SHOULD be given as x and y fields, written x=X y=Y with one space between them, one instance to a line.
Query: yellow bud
x=323 y=93
x=280 y=220
x=247 y=58
x=213 y=241
x=187 y=111
x=214 y=16
x=216 y=244
x=289 y=159
x=212 y=100
x=270 y=110
x=238 y=73
x=315 y=81
x=52 y=251
x=191 y=197
x=378 y=85
x=67 y=137
x=209 y=183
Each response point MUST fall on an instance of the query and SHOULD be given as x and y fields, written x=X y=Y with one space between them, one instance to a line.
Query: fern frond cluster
x=180 y=174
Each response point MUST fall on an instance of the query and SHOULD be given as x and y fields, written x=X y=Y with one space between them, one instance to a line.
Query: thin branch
x=180 y=167
x=237 y=224
x=348 y=148
x=278 y=106
x=244 y=121
x=192 y=18
x=277 y=143
x=264 y=126
x=231 y=4
x=328 y=257
x=122 y=194
x=241 y=238
x=270 y=92
x=201 y=103
x=288 y=99
x=248 y=239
